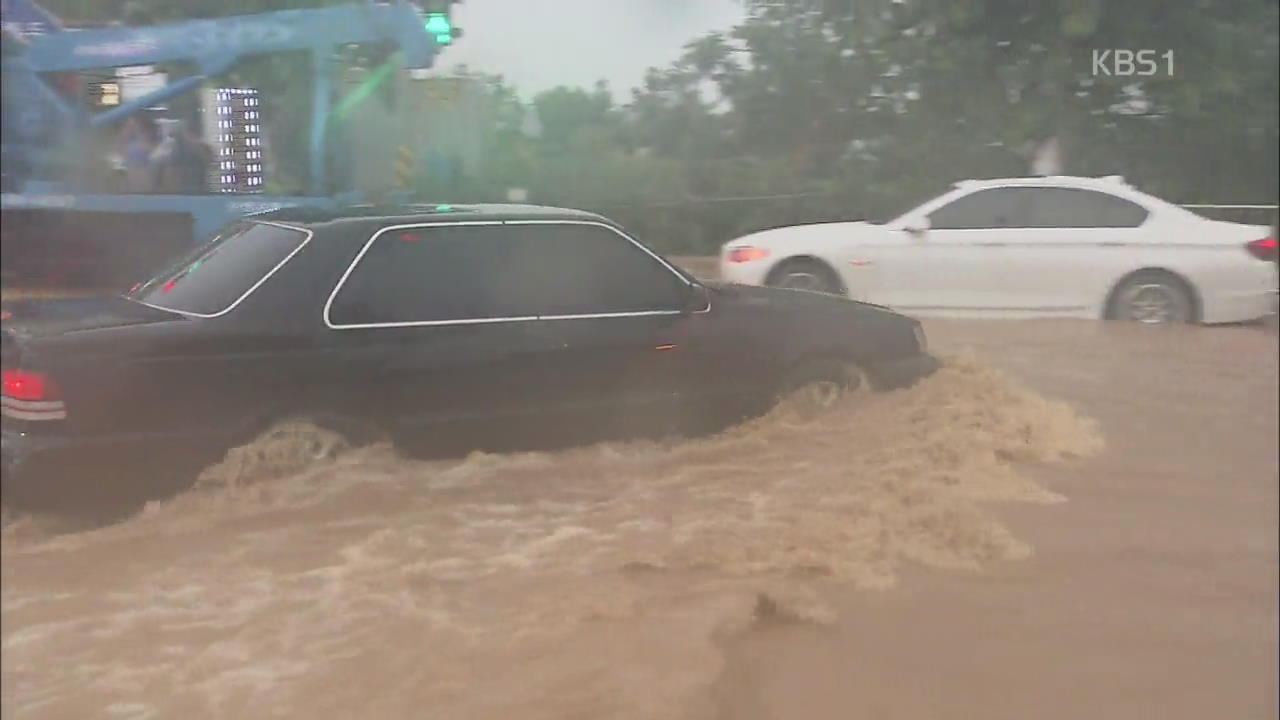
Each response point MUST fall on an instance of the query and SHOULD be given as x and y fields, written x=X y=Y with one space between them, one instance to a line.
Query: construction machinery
x=68 y=221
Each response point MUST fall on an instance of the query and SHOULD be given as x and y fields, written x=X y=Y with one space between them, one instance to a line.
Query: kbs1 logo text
x=1132 y=63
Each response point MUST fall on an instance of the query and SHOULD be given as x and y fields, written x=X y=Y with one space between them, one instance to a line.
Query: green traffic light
x=438 y=25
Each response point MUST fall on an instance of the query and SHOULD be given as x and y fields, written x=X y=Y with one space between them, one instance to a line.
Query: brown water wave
x=591 y=582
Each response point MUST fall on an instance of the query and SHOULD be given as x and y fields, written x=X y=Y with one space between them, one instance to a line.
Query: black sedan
x=404 y=320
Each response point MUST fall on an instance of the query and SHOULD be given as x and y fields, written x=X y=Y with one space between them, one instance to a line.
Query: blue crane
x=44 y=131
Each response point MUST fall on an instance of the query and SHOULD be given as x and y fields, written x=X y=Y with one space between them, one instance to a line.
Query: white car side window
x=1003 y=207
x=1061 y=207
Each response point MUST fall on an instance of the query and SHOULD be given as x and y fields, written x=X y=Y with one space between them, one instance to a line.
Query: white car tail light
x=30 y=395
x=1264 y=249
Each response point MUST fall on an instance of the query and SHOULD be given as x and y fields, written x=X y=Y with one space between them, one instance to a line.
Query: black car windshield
x=215 y=276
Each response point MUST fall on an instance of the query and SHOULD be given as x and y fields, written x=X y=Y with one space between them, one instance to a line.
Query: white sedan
x=1028 y=247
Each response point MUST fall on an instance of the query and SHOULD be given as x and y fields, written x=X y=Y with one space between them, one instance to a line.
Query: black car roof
x=424 y=212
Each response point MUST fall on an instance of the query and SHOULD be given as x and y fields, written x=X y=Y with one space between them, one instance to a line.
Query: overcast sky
x=538 y=44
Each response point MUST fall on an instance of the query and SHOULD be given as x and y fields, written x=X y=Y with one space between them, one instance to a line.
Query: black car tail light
x=30 y=395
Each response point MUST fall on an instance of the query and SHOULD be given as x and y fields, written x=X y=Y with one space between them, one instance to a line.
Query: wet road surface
x=1071 y=519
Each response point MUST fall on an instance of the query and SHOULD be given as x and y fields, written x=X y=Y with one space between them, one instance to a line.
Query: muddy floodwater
x=1069 y=520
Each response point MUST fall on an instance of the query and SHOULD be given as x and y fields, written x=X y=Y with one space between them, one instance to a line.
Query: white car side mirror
x=916 y=225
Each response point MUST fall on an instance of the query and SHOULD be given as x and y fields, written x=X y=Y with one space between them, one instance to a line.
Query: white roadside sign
x=138 y=81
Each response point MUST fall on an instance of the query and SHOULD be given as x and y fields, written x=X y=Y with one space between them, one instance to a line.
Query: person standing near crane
x=139 y=139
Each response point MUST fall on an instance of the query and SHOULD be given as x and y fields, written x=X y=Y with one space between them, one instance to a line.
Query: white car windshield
x=892 y=212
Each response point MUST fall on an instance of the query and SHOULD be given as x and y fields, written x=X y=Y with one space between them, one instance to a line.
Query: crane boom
x=44 y=198
x=222 y=40
x=215 y=45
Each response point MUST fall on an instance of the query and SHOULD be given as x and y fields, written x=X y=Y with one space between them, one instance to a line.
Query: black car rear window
x=217 y=275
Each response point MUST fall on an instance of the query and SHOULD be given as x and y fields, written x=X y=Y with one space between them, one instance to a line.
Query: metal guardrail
x=694 y=200
x=1248 y=213
x=1232 y=207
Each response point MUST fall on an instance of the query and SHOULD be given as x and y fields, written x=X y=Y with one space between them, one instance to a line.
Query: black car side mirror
x=696 y=299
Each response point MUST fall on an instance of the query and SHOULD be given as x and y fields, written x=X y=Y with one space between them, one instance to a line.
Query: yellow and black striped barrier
x=404 y=166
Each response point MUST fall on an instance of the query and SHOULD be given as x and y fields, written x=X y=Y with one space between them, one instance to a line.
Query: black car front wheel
x=814 y=386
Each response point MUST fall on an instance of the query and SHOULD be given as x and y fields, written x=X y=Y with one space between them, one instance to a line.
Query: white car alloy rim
x=1152 y=304
x=801 y=280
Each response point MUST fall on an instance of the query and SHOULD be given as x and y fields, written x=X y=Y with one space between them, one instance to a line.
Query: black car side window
x=514 y=270
x=429 y=274
x=984 y=209
x=582 y=269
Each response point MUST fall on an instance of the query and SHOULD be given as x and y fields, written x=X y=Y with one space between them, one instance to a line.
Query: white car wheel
x=1153 y=299
x=805 y=275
